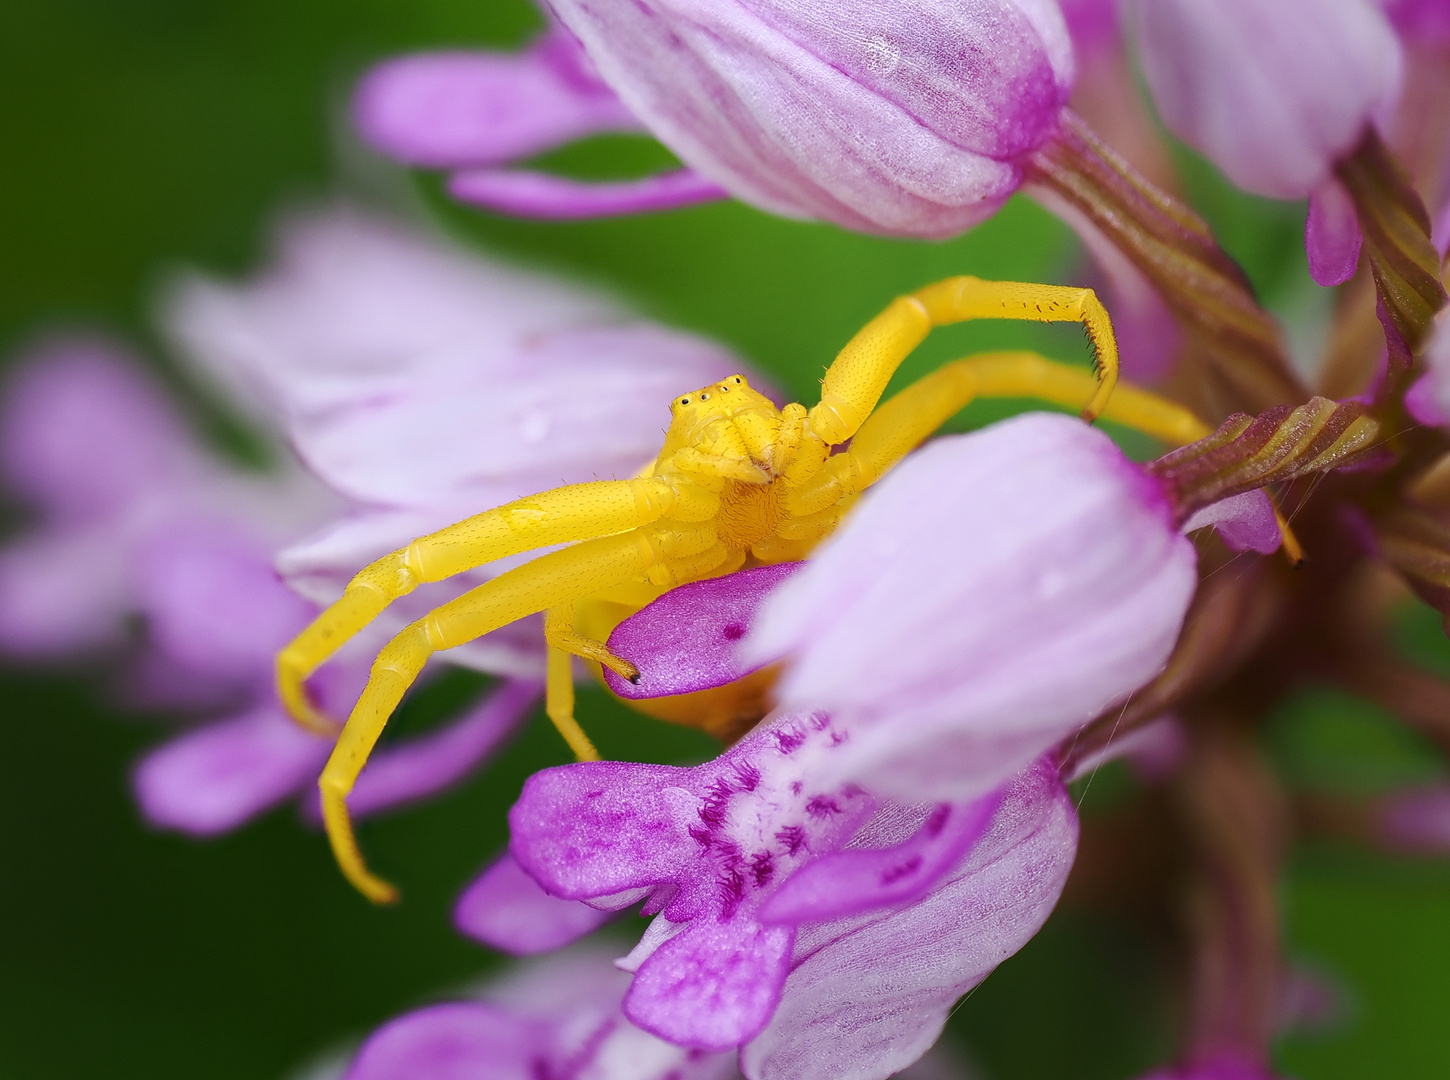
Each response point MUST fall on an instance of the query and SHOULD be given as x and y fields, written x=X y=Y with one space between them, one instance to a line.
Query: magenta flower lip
x=919 y=901
x=684 y=641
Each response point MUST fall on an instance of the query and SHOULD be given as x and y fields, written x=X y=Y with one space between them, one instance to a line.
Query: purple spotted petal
x=686 y=640
x=507 y=910
x=553 y=1019
x=868 y=995
x=1246 y=522
x=541 y=195
x=407 y=771
x=1332 y=237
x=708 y=844
x=457 y=1041
x=859 y=879
x=460 y=109
x=597 y=828
x=713 y=986
x=215 y=778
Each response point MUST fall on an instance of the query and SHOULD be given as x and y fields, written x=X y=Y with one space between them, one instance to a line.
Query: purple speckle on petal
x=822 y=806
x=793 y=837
x=893 y=874
x=748 y=775
x=762 y=865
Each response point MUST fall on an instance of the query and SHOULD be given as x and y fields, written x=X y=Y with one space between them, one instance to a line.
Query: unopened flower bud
x=891 y=118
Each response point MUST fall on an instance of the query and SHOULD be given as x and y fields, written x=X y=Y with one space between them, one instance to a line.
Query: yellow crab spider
x=737 y=481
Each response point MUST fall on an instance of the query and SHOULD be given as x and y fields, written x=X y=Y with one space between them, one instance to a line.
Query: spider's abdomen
x=749 y=513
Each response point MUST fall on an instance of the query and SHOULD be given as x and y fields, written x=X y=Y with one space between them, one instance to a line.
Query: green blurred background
x=145 y=135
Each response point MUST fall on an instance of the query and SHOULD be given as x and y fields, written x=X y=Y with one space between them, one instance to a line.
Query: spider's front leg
x=910 y=417
x=562 y=515
x=550 y=581
x=857 y=378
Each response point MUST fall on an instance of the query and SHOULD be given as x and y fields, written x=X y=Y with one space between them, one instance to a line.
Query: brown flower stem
x=1338 y=817
x=1237 y=822
x=1076 y=172
x=1418 y=697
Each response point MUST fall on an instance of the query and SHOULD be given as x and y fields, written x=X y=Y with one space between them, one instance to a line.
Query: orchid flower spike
x=380 y=355
x=898 y=119
x=1276 y=94
x=422 y=383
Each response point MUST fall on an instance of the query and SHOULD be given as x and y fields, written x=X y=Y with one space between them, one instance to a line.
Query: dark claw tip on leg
x=634 y=679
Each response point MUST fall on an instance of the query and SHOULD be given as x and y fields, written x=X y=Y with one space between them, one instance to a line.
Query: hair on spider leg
x=1093 y=354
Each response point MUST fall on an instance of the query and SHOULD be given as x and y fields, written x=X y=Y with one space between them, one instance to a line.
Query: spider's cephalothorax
x=733 y=442
x=738 y=481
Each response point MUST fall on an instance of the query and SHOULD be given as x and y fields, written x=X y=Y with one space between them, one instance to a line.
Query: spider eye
x=684 y=401
x=704 y=397
x=738 y=379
